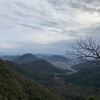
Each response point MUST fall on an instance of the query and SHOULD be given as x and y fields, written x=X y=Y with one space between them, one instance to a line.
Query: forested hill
x=84 y=65
x=56 y=58
x=15 y=87
x=89 y=77
x=40 y=70
x=26 y=58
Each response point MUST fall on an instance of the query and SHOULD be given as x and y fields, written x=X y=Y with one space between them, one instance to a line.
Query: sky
x=46 y=26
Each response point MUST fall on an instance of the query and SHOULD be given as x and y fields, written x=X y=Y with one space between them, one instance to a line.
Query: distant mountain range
x=9 y=57
x=57 y=60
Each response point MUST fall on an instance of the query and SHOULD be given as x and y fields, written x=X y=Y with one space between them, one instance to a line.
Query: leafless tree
x=87 y=49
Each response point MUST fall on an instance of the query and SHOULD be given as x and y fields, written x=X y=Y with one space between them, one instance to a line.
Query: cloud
x=7 y=44
x=45 y=23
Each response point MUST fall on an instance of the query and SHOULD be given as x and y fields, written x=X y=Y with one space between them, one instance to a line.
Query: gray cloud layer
x=41 y=24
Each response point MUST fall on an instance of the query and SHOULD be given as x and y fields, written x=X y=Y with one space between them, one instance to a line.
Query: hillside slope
x=89 y=77
x=40 y=70
x=84 y=65
x=15 y=87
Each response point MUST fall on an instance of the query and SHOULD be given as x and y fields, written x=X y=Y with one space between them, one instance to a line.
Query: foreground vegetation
x=15 y=87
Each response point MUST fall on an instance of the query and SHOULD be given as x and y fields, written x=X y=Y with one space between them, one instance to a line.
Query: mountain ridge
x=26 y=58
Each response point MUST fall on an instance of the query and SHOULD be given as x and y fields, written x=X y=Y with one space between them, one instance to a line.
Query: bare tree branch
x=87 y=49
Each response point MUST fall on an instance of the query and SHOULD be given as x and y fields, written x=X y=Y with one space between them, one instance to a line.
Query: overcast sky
x=46 y=26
